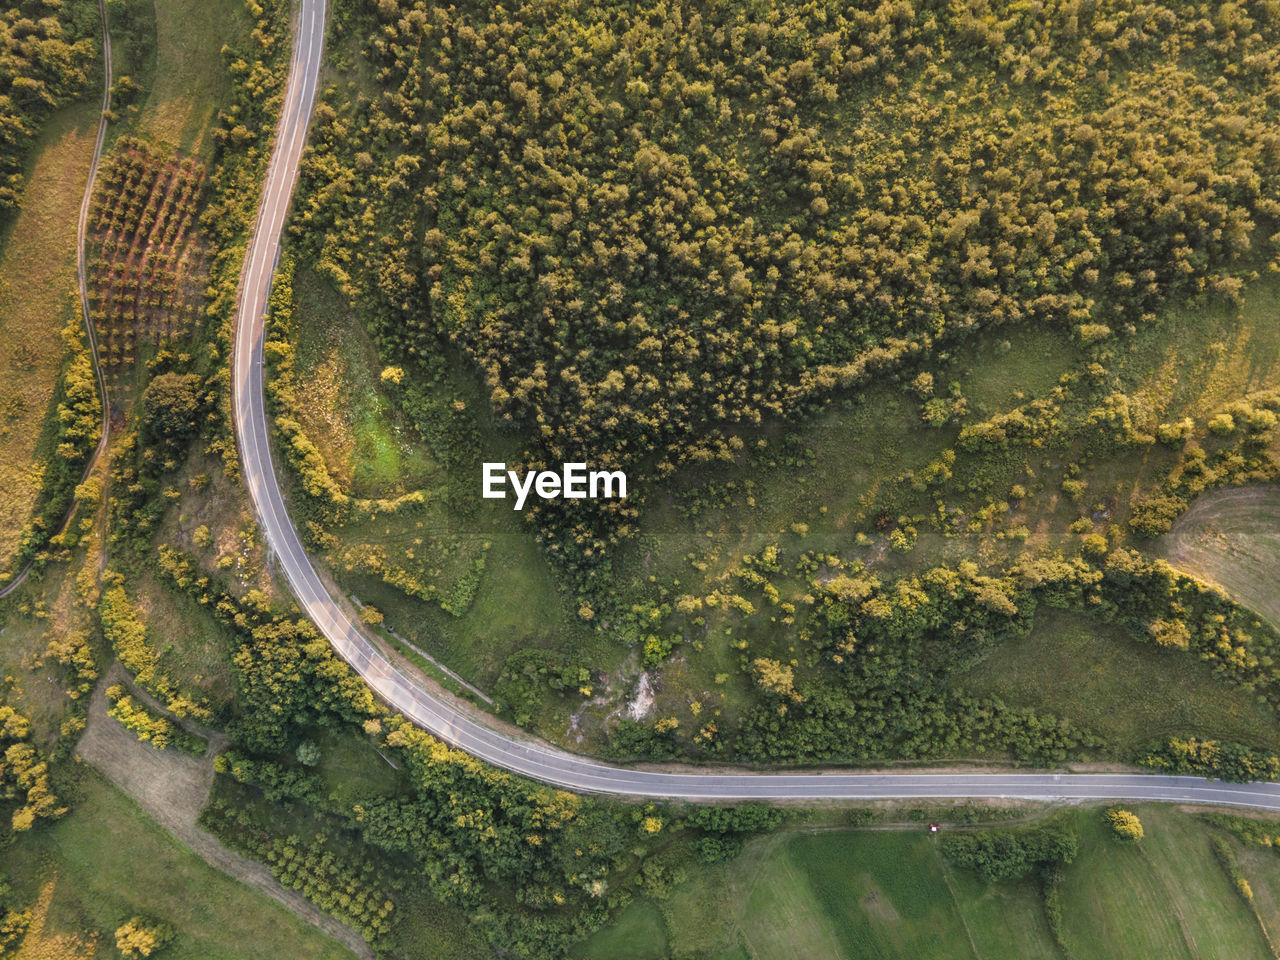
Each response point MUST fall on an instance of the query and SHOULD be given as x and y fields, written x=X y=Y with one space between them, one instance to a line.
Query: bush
x=139 y=937
x=1125 y=825
x=308 y=753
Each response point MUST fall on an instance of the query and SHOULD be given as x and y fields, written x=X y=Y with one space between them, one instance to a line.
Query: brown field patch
x=1231 y=538
x=147 y=270
x=37 y=298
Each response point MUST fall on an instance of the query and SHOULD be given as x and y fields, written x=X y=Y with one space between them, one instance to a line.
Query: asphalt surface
x=529 y=757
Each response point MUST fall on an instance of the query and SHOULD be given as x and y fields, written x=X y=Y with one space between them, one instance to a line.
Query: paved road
x=529 y=757
x=81 y=279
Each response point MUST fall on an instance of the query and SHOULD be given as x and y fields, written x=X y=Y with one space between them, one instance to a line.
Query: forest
x=49 y=49
x=908 y=322
x=653 y=230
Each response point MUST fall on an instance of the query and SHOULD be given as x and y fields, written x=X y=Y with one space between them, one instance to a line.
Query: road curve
x=82 y=281
x=530 y=758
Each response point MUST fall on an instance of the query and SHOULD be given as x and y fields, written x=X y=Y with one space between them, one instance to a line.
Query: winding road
x=531 y=758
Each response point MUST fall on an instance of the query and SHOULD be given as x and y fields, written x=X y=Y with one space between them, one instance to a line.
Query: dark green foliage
x=171 y=406
x=748 y=818
x=726 y=827
x=1010 y=854
x=323 y=867
x=48 y=49
x=1213 y=759
x=716 y=848
x=529 y=674
x=630 y=739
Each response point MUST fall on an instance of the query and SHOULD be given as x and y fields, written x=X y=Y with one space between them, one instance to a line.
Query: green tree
x=171 y=405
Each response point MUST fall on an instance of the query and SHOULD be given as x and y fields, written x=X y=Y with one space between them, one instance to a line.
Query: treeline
x=322 y=868
x=651 y=240
x=26 y=793
x=1009 y=854
x=77 y=430
x=150 y=726
x=1240 y=438
x=871 y=680
x=1212 y=759
x=48 y=49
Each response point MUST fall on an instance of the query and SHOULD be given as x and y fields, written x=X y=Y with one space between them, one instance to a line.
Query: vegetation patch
x=146 y=276
x=37 y=301
x=151 y=726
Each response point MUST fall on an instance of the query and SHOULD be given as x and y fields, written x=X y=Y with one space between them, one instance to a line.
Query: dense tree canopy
x=46 y=47
x=651 y=228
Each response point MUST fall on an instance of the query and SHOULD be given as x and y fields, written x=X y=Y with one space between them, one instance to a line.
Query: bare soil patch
x=172 y=787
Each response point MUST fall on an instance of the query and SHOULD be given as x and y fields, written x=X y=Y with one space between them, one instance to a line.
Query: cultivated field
x=146 y=270
x=1232 y=538
x=888 y=894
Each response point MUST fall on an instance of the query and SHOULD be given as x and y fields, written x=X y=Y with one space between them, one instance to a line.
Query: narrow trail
x=172 y=788
x=82 y=281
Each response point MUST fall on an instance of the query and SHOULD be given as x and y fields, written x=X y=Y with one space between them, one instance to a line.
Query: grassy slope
x=37 y=298
x=367 y=445
x=195 y=649
x=1164 y=900
x=1129 y=692
x=191 y=81
x=24 y=637
x=112 y=862
x=889 y=894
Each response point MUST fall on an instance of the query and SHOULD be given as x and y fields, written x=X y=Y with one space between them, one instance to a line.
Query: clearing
x=38 y=299
x=1128 y=692
x=1231 y=538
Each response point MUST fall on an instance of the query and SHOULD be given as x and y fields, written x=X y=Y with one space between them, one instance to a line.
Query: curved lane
x=530 y=758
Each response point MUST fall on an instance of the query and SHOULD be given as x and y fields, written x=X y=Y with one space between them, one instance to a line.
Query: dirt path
x=172 y=787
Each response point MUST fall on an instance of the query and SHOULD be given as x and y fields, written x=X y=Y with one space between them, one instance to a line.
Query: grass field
x=109 y=862
x=191 y=80
x=37 y=299
x=195 y=649
x=830 y=895
x=1130 y=693
x=1166 y=898
x=1231 y=538
x=369 y=448
x=888 y=894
